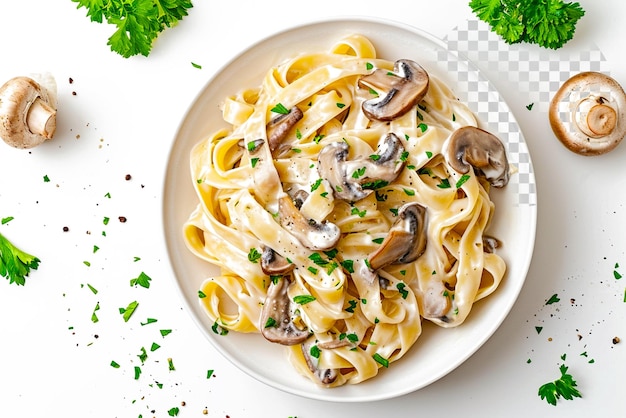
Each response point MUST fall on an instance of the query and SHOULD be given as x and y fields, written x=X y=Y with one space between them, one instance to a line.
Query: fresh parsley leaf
x=553 y=299
x=564 y=387
x=129 y=310
x=280 y=109
x=15 y=264
x=143 y=280
x=138 y=22
x=303 y=299
x=548 y=23
x=381 y=360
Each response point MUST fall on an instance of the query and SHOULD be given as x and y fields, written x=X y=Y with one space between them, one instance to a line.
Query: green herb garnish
x=138 y=22
x=548 y=23
x=564 y=387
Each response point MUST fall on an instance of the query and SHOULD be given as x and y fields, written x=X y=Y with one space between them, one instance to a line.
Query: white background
x=119 y=116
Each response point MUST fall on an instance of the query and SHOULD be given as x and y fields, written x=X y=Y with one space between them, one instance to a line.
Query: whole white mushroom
x=27 y=111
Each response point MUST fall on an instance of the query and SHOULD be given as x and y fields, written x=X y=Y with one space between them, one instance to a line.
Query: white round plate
x=438 y=351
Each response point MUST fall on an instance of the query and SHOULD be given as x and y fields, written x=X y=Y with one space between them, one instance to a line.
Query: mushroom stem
x=595 y=118
x=41 y=118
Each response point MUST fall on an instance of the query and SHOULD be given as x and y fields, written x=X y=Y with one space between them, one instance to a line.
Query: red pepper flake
x=122 y=219
x=71 y=80
x=65 y=229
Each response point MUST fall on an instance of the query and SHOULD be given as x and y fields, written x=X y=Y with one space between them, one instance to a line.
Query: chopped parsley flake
x=444 y=184
x=129 y=310
x=218 y=329
x=353 y=305
x=348 y=265
x=464 y=178
x=315 y=351
x=254 y=255
x=281 y=109
x=303 y=299
x=381 y=360
x=402 y=289
x=316 y=185
x=143 y=280
x=94 y=317
x=553 y=299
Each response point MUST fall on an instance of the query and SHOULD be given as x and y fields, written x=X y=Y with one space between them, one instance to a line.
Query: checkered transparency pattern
x=536 y=72
x=533 y=71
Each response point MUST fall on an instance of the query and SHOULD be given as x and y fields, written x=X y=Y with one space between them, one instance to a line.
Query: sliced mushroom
x=312 y=234
x=588 y=113
x=490 y=244
x=325 y=376
x=402 y=89
x=276 y=320
x=274 y=264
x=353 y=180
x=278 y=128
x=298 y=196
x=27 y=112
x=406 y=239
x=472 y=146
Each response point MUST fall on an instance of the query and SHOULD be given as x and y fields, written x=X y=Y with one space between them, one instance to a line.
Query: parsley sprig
x=15 y=264
x=564 y=387
x=138 y=22
x=548 y=23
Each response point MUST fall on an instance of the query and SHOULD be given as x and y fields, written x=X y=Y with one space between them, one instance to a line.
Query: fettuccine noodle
x=346 y=321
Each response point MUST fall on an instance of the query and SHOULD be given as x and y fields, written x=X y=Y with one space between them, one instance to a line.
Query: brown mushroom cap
x=277 y=306
x=406 y=239
x=278 y=128
x=401 y=90
x=588 y=113
x=274 y=264
x=472 y=146
x=324 y=376
x=27 y=113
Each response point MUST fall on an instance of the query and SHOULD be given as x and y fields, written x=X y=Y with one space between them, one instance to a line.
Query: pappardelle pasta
x=347 y=201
